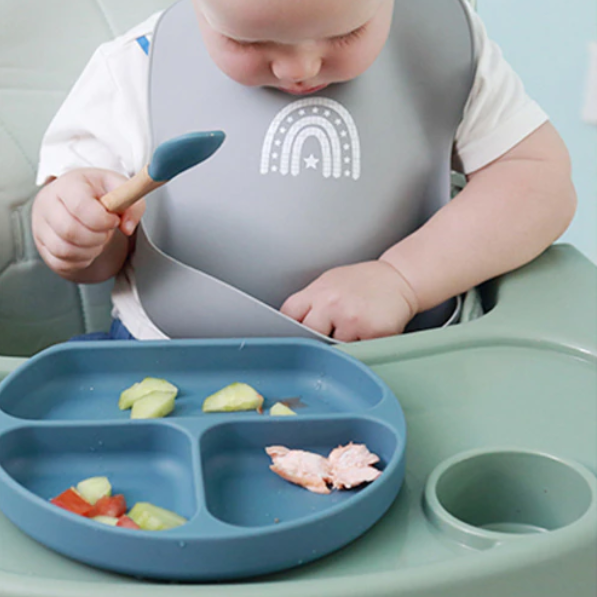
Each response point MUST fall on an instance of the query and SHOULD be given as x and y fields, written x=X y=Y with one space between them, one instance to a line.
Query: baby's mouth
x=301 y=90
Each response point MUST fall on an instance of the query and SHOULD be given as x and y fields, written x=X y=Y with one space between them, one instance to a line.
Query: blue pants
x=117 y=332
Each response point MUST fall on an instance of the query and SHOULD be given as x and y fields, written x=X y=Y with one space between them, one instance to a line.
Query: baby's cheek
x=345 y=66
x=245 y=69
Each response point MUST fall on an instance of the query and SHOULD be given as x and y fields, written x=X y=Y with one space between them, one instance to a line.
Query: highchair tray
x=499 y=496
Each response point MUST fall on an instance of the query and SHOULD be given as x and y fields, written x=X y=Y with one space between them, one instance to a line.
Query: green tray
x=500 y=494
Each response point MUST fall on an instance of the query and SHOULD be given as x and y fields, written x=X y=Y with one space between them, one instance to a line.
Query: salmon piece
x=351 y=465
x=345 y=467
x=303 y=468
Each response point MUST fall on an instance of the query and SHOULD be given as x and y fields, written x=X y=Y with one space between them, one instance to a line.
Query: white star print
x=311 y=161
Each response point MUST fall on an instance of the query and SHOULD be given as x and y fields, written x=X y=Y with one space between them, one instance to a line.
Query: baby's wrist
x=407 y=290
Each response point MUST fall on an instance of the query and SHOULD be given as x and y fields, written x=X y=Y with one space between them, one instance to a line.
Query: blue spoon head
x=174 y=156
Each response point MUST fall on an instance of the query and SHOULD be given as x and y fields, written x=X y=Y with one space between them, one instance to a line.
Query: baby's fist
x=71 y=228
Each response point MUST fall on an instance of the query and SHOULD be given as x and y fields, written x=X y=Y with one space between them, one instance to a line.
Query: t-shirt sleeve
x=103 y=121
x=498 y=113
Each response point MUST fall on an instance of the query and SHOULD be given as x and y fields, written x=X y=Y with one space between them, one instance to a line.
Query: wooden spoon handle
x=130 y=192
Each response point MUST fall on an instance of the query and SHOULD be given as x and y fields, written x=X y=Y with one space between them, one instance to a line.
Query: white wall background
x=547 y=42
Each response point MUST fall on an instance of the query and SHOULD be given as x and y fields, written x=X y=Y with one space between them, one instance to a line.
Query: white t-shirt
x=104 y=123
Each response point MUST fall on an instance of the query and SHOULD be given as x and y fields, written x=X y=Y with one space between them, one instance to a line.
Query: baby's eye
x=347 y=38
x=240 y=44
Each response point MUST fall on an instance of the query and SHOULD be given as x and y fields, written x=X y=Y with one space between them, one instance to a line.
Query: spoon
x=169 y=159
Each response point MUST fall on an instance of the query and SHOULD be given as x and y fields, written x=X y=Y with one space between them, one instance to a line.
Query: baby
x=518 y=199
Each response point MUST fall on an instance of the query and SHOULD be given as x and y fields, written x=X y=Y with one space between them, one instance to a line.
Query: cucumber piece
x=234 y=397
x=140 y=389
x=153 y=406
x=109 y=520
x=154 y=518
x=94 y=488
x=281 y=410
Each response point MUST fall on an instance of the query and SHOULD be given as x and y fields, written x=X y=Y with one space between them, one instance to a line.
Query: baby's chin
x=301 y=90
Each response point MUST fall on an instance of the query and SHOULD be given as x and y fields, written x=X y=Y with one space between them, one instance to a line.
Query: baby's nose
x=297 y=66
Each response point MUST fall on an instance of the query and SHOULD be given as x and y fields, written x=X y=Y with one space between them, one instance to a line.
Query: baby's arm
x=74 y=234
x=99 y=135
x=509 y=212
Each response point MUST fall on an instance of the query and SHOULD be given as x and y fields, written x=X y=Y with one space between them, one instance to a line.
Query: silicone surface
x=516 y=388
x=60 y=423
x=176 y=155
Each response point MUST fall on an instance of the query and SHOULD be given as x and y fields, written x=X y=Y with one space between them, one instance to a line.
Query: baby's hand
x=71 y=227
x=355 y=302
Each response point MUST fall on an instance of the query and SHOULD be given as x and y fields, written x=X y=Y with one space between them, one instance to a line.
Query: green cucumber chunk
x=154 y=518
x=153 y=406
x=94 y=488
x=281 y=410
x=109 y=520
x=140 y=389
x=236 y=396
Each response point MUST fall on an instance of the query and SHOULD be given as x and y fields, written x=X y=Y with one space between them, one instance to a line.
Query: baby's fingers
x=63 y=256
x=87 y=210
x=320 y=321
x=296 y=306
x=301 y=308
x=130 y=219
x=104 y=181
x=72 y=231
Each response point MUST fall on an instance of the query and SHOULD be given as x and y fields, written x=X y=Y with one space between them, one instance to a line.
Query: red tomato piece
x=114 y=506
x=127 y=523
x=70 y=500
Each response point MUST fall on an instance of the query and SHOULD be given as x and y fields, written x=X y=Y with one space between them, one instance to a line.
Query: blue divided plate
x=60 y=423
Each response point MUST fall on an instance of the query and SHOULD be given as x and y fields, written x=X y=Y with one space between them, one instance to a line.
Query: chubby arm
x=510 y=211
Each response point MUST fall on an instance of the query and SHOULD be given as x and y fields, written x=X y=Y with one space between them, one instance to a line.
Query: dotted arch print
x=321 y=118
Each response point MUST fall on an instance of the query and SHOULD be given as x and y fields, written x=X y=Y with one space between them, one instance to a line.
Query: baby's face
x=298 y=46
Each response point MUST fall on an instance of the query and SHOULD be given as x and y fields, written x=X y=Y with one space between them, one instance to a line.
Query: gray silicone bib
x=300 y=185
